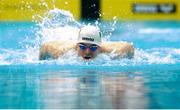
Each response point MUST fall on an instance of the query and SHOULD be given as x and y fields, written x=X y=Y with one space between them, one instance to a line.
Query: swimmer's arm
x=54 y=49
x=122 y=49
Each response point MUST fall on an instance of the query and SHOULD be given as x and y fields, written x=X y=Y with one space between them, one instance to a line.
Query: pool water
x=149 y=80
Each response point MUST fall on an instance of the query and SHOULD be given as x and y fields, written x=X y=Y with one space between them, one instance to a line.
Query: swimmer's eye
x=84 y=47
x=93 y=48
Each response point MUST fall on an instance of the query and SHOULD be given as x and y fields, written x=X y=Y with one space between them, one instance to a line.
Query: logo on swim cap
x=89 y=34
x=85 y=38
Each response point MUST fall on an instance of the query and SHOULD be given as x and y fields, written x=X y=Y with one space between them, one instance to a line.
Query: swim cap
x=89 y=34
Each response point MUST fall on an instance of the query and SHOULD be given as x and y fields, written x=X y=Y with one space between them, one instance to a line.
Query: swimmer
x=88 y=46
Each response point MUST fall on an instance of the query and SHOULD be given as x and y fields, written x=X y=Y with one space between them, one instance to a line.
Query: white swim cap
x=89 y=34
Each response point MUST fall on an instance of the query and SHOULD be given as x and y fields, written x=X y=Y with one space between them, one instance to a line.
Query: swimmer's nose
x=87 y=50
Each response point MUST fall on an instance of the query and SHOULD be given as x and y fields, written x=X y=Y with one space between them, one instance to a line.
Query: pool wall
x=18 y=10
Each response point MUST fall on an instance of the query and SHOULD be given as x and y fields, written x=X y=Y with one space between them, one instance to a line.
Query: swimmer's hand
x=120 y=49
x=54 y=49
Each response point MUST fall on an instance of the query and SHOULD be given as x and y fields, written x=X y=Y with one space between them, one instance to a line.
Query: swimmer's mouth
x=87 y=57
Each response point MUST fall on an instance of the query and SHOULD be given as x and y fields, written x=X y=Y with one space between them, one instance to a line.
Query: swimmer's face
x=87 y=51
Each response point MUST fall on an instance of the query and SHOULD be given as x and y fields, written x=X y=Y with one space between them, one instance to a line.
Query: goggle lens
x=84 y=47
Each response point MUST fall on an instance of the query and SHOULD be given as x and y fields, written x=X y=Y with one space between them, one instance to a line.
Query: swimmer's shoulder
x=120 y=47
x=54 y=49
x=108 y=46
x=60 y=44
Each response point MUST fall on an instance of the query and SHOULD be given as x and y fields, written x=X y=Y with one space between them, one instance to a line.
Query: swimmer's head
x=89 y=41
x=90 y=34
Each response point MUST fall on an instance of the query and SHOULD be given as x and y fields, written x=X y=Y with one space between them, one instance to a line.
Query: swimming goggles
x=93 y=48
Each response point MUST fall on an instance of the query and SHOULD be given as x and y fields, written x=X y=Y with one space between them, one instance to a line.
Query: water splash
x=107 y=29
x=141 y=57
x=59 y=24
x=58 y=18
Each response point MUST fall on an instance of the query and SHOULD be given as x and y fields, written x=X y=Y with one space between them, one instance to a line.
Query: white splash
x=59 y=24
